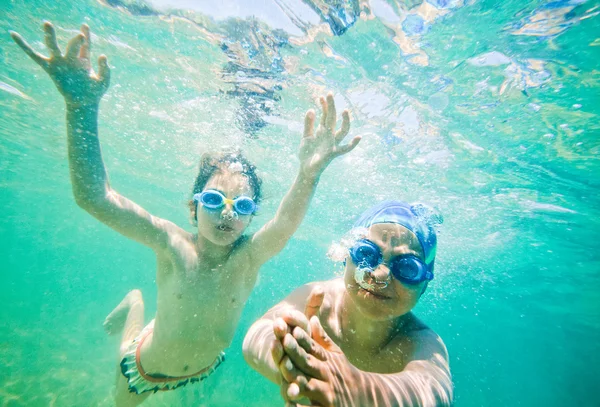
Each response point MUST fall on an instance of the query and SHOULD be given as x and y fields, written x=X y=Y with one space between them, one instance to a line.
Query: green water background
x=516 y=293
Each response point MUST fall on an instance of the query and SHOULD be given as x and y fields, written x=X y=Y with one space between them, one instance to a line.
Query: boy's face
x=397 y=298
x=224 y=226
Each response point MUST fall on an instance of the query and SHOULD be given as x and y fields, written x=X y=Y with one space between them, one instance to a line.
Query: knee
x=135 y=294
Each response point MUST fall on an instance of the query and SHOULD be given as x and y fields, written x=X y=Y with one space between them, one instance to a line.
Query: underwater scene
x=486 y=111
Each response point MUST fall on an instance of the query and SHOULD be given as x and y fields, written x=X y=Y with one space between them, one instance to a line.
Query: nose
x=381 y=274
x=228 y=212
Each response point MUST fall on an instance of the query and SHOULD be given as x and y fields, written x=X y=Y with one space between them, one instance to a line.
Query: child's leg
x=128 y=317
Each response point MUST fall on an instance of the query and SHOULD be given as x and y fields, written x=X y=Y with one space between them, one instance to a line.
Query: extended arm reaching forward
x=292 y=349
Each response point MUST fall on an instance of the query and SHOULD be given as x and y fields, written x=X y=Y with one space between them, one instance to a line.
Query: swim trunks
x=140 y=381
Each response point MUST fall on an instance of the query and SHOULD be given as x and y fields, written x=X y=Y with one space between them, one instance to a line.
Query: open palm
x=72 y=72
x=319 y=148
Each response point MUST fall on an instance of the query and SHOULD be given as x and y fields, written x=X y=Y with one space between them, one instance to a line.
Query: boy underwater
x=353 y=340
x=203 y=279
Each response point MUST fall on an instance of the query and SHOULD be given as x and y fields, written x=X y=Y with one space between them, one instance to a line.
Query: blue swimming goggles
x=212 y=200
x=407 y=268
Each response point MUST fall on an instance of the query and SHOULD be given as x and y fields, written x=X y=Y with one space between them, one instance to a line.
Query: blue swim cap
x=418 y=218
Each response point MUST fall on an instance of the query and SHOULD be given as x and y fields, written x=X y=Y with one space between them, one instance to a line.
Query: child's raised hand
x=319 y=148
x=72 y=72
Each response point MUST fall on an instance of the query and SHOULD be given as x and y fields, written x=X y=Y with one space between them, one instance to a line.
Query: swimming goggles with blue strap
x=408 y=268
x=213 y=200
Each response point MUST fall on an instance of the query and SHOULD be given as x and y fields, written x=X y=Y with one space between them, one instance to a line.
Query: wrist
x=308 y=178
x=82 y=105
x=82 y=101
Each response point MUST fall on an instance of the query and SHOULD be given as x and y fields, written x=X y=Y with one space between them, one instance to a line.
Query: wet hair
x=233 y=161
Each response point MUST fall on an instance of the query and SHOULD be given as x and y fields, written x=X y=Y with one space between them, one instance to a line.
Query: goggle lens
x=408 y=269
x=367 y=256
x=244 y=205
x=212 y=200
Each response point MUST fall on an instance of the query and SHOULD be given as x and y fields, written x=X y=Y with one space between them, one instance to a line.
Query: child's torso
x=199 y=307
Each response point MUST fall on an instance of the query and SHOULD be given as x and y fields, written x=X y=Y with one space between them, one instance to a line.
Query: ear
x=193 y=207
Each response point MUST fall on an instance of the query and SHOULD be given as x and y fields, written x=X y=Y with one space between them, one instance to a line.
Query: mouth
x=368 y=291
x=373 y=294
x=224 y=228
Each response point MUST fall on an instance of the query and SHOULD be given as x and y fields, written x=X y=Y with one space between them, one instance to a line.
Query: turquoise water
x=487 y=110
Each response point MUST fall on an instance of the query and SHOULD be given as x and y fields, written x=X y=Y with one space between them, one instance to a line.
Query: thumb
x=320 y=336
x=345 y=149
x=314 y=302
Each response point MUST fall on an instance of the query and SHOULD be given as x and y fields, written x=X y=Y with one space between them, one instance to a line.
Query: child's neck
x=211 y=253
x=370 y=334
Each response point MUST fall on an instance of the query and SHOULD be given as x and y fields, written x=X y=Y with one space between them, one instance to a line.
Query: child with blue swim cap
x=419 y=219
x=354 y=340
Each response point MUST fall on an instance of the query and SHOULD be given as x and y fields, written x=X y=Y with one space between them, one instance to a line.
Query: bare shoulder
x=428 y=360
x=419 y=343
x=418 y=354
x=180 y=244
x=173 y=229
x=175 y=234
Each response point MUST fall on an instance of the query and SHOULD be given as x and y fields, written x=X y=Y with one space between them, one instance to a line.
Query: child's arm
x=317 y=150
x=82 y=89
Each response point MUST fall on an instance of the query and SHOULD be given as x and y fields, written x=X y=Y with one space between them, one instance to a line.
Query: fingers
x=314 y=302
x=280 y=328
x=103 y=70
x=323 y=111
x=73 y=46
x=292 y=391
x=341 y=150
x=283 y=388
x=306 y=363
x=84 y=52
x=343 y=132
x=50 y=40
x=37 y=58
x=308 y=344
x=331 y=113
x=321 y=337
x=277 y=352
x=295 y=318
x=309 y=124
x=289 y=372
x=317 y=391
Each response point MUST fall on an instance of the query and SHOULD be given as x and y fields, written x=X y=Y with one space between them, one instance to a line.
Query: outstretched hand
x=319 y=148
x=71 y=72
x=312 y=366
